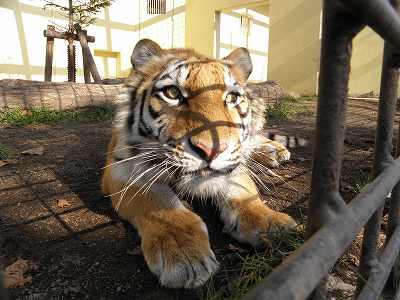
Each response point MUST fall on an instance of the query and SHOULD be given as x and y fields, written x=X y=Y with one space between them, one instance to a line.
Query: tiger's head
x=192 y=108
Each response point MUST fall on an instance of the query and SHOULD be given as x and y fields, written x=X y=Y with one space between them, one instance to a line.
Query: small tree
x=80 y=14
x=79 y=11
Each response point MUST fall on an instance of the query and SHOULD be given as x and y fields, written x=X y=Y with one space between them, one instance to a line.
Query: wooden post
x=71 y=48
x=71 y=61
x=86 y=70
x=48 y=68
x=89 y=57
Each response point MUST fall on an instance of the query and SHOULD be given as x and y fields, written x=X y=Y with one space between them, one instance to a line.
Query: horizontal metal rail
x=379 y=15
x=380 y=273
x=319 y=253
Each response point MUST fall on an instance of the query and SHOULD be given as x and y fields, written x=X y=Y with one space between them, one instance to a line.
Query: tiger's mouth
x=209 y=172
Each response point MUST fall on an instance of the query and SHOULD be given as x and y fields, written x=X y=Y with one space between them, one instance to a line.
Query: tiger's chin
x=206 y=182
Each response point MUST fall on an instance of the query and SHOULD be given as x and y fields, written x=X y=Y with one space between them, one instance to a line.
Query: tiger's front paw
x=178 y=252
x=283 y=155
x=253 y=224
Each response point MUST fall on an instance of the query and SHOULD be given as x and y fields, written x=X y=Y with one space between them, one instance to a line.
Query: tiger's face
x=194 y=109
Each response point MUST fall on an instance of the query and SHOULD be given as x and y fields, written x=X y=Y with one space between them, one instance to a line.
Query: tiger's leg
x=174 y=240
x=269 y=152
x=246 y=216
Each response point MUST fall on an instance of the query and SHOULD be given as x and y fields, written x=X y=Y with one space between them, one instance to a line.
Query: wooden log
x=89 y=58
x=271 y=92
x=48 y=67
x=28 y=94
x=86 y=70
x=62 y=35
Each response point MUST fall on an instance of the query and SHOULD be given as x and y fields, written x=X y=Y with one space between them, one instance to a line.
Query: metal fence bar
x=338 y=30
x=382 y=156
x=394 y=220
x=379 y=15
x=332 y=225
x=379 y=276
x=393 y=223
x=320 y=252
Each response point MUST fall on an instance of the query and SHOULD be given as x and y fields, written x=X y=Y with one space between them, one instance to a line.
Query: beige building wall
x=294 y=44
x=201 y=23
x=294 y=50
x=366 y=63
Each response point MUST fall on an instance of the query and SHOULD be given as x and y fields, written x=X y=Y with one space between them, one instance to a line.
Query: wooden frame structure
x=89 y=66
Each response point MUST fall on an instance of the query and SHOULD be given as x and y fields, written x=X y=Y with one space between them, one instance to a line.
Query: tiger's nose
x=208 y=153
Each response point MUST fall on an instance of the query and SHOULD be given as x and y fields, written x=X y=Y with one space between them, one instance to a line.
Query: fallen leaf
x=14 y=273
x=62 y=203
x=135 y=251
x=6 y=162
x=34 y=151
x=26 y=112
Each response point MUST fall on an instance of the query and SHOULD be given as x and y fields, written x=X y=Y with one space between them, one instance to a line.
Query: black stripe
x=130 y=120
x=143 y=132
x=154 y=114
x=165 y=76
x=271 y=136
x=131 y=117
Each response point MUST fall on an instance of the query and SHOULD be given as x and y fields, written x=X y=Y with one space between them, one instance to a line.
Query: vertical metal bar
x=394 y=213
x=393 y=223
x=382 y=156
x=338 y=30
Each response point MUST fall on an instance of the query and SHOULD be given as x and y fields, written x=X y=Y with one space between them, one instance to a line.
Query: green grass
x=289 y=108
x=6 y=153
x=20 y=117
x=252 y=268
x=361 y=181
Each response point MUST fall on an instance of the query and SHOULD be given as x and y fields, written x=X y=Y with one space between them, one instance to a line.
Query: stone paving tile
x=34 y=176
x=48 y=229
x=83 y=218
x=11 y=182
x=16 y=196
x=50 y=189
x=23 y=212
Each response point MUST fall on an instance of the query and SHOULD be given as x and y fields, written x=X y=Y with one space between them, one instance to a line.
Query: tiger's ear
x=144 y=50
x=241 y=60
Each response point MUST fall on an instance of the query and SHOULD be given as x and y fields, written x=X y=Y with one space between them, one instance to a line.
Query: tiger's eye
x=172 y=92
x=231 y=97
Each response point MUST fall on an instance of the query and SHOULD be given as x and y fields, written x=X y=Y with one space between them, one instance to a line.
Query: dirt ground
x=52 y=212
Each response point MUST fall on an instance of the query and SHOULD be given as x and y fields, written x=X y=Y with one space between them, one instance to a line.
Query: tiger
x=186 y=128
